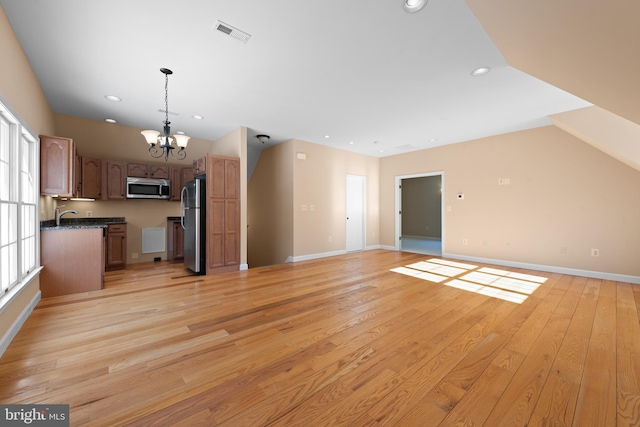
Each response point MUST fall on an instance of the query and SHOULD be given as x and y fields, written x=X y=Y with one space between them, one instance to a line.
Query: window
x=18 y=202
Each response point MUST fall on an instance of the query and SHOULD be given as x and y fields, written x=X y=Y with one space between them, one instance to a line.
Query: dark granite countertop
x=173 y=218
x=73 y=223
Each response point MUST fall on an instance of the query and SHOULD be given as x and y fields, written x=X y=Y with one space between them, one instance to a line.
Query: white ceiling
x=359 y=71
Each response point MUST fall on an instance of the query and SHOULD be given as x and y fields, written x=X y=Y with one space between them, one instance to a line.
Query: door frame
x=364 y=212
x=398 y=216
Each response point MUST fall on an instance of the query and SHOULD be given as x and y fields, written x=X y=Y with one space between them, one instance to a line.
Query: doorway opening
x=419 y=213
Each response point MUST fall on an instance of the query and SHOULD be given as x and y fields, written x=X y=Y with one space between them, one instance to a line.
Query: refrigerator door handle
x=184 y=189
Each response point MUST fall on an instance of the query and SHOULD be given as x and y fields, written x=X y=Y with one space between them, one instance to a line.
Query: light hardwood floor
x=362 y=339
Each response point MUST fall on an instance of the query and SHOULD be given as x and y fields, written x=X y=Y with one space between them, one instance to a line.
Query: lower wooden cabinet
x=116 y=247
x=72 y=261
x=175 y=241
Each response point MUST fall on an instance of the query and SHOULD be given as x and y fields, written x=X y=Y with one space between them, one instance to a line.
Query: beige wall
x=319 y=204
x=138 y=213
x=297 y=207
x=563 y=194
x=270 y=209
x=606 y=131
x=21 y=90
x=585 y=48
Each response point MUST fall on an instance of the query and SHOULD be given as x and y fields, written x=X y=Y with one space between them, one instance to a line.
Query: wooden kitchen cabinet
x=223 y=214
x=57 y=161
x=116 y=247
x=137 y=170
x=141 y=170
x=160 y=172
x=114 y=176
x=72 y=261
x=91 y=178
x=179 y=177
x=187 y=175
x=175 y=241
x=176 y=183
x=200 y=166
x=77 y=173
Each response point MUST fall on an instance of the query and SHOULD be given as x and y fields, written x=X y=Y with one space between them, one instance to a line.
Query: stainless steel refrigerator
x=192 y=211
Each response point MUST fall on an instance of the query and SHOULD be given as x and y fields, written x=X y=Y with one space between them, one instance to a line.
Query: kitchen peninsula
x=74 y=253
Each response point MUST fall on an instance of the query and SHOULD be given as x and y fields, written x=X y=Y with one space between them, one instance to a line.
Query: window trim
x=18 y=132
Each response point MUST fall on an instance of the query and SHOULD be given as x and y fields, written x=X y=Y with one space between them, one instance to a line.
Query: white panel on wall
x=153 y=240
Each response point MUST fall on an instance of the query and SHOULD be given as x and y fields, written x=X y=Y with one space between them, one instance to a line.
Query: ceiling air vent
x=232 y=32
x=162 y=110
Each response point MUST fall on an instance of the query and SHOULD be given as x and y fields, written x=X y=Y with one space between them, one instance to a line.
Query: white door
x=355 y=211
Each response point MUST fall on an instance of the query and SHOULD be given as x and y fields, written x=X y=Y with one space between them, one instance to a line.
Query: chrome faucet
x=59 y=214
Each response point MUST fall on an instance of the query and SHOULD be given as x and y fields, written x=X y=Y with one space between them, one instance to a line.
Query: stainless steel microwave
x=148 y=188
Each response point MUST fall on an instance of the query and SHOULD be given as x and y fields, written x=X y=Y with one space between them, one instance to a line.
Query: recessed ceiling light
x=113 y=98
x=351 y=142
x=180 y=132
x=433 y=140
x=380 y=151
x=110 y=120
x=326 y=136
x=412 y=6
x=197 y=117
x=481 y=71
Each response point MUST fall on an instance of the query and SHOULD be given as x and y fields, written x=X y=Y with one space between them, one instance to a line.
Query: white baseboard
x=243 y=267
x=17 y=324
x=326 y=254
x=316 y=256
x=548 y=268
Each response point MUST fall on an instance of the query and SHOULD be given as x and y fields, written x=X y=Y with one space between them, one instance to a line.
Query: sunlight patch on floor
x=492 y=282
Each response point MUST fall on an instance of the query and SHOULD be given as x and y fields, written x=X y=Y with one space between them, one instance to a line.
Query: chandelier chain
x=166 y=98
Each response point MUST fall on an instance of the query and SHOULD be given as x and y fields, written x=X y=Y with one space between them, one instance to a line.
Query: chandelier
x=161 y=144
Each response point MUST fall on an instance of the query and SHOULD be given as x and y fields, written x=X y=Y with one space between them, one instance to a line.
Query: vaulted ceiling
x=359 y=75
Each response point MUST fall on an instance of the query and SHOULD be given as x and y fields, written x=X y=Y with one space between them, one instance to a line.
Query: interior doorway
x=420 y=219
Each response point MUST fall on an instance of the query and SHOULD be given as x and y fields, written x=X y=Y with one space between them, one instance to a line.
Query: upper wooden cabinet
x=114 y=176
x=141 y=170
x=137 y=170
x=200 y=166
x=160 y=172
x=77 y=174
x=179 y=177
x=57 y=161
x=187 y=175
x=91 y=178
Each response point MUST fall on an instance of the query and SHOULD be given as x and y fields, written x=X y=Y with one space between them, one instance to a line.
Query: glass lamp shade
x=151 y=136
x=181 y=140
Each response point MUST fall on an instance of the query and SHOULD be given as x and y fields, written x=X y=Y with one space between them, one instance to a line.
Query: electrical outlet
x=465 y=242
x=563 y=249
x=595 y=252
x=89 y=214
